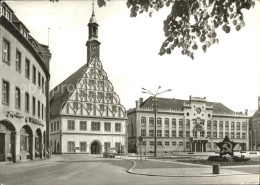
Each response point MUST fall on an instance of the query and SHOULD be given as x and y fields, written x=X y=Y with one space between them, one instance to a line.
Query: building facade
x=86 y=114
x=193 y=125
x=254 y=129
x=24 y=78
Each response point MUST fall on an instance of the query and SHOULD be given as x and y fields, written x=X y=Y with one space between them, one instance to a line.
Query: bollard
x=216 y=168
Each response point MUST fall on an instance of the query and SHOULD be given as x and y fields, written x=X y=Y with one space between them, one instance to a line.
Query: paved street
x=94 y=170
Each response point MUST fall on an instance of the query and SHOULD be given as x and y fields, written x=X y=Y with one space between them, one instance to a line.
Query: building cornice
x=95 y=117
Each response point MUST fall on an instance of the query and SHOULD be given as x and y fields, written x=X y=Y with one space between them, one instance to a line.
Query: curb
x=130 y=171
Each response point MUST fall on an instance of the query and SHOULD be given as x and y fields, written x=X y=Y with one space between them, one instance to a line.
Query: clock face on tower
x=94 y=50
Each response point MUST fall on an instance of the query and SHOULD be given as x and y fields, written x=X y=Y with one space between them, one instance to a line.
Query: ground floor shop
x=21 y=141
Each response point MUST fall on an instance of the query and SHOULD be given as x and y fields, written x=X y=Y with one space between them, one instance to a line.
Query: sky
x=228 y=72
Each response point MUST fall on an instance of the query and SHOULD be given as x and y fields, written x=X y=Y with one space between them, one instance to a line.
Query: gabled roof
x=61 y=92
x=177 y=104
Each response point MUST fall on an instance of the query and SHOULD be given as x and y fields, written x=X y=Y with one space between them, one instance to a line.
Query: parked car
x=110 y=153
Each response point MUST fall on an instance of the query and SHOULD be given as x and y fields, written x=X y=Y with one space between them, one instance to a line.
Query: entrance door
x=95 y=148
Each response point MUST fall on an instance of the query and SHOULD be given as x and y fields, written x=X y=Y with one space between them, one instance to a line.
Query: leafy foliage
x=192 y=24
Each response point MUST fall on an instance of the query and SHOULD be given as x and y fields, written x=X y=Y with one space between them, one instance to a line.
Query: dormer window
x=24 y=33
x=6 y=13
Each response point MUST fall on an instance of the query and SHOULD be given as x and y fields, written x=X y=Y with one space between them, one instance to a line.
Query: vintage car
x=110 y=153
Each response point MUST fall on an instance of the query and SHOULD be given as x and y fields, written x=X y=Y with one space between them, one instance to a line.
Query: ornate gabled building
x=86 y=114
x=24 y=79
x=193 y=125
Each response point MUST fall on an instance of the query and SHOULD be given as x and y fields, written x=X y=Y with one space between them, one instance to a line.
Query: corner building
x=193 y=125
x=24 y=79
x=86 y=114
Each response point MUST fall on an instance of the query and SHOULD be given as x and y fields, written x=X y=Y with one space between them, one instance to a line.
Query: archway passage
x=26 y=143
x=7 y=141
x=38 y=144
x=95 y=147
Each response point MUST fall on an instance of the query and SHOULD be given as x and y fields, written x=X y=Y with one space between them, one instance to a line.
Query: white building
x=194 y=125
x=86 y=114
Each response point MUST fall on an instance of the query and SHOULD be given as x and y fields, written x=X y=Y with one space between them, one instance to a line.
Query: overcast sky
x=227 y=73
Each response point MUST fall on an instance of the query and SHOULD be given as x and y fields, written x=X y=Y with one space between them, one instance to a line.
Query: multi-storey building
x=24 y=79
x=254 y=130
x=185 y=125
x=86 y=114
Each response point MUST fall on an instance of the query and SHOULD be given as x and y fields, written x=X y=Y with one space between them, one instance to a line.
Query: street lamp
x=155 y=110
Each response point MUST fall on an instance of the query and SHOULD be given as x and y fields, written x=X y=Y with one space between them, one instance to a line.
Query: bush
x=217 y=159
x=240 y=159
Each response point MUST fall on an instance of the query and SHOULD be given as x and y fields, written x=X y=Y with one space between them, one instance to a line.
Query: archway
x=95 y=147
x=38 y=144
x=7 y=141
x=26 y=143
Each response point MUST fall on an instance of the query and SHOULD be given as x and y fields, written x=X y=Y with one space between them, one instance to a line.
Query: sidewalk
x=154 y=167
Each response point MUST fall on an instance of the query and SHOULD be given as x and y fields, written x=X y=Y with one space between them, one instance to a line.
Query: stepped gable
x=60 y=93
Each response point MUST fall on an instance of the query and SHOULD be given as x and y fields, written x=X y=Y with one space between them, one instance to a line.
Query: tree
x=192 y=23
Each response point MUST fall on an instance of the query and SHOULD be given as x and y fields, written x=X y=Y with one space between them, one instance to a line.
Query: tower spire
x=93 y=12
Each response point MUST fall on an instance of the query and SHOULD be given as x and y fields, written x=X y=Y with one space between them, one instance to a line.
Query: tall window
x=187 y=124
x=71 y=146
x=173 y=123
x=17 y=98
x=71 y=124
x=159 y=133
x=58 y=125
x=143 y=121
x=220 y=134
x=39 y=79
x=159 y=122
x=180 y=133
x=215 y=125
x=39 y=109
x=151 y=133
x=243 y=126
x=18 y=61
x=107 y=126
x=180 y=123
x=27 y=102
x=208 y=125
x=43 y=85
x=42 y=111
x=143 y=132
x=232 y=125
x=226 y=125
x=187 y=133
x=173 y=133
x=6 y=51
x=238 y=125
x=5 y=92
x=221 y=125
x=118 y=127
x=51 y=127
x=27 y=68
x=166 y=133
x=238 y=135
x=95 y=126
x=166 y=121
x=107 y=145
x=151 y=122
x=34 y=106
x=54 y=126
x=83 y=125
x=83 y=146
x=34 y=75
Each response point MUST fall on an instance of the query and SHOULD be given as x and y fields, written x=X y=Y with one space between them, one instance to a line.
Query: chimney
x=141 y=100
x=137 y=105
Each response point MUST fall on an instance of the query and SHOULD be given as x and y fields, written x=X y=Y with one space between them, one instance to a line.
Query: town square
x=129 y=92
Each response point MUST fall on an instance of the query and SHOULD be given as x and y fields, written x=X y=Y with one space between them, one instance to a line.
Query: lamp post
x=154 y=95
